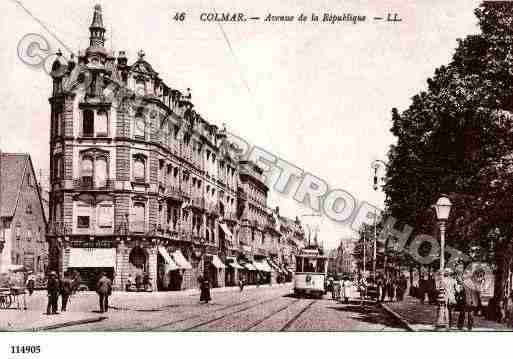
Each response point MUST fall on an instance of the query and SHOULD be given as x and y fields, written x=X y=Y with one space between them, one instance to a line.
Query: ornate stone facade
x=140 y=182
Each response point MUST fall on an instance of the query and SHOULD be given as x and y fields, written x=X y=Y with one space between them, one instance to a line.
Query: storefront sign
x=92 y=244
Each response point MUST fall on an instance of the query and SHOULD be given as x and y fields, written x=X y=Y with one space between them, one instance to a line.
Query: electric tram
x=311 y=272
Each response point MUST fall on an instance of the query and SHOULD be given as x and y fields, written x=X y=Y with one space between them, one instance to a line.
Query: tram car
x=311 y=273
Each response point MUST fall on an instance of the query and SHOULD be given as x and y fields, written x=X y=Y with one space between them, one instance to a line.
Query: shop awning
x=262 y=266
x=226 y=230
x=232 y=262
x=250 y=266
x=92 y=258
x=180 y=260
x=274 y=265
x=216 y=262
x=170 y=263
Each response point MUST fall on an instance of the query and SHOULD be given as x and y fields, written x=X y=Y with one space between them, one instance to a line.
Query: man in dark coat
x=52 y=287
x=469 y=301
x=66 y=290
x=104 y=289
x=205 y=291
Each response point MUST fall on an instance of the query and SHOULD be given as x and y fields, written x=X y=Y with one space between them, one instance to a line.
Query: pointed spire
x=97 y=16
x=96 y=29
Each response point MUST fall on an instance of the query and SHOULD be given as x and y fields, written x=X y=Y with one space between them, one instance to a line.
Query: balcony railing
x=174 y=193
x=89 y=183
x=213 y=209
x=230 y=217
x=198 y=204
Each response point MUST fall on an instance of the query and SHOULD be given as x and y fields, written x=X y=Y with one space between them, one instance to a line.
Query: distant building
x=341 y=260
x=22 y=218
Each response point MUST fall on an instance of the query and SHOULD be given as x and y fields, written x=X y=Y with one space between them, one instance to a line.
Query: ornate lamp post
x=376 y=165
x=443 y=208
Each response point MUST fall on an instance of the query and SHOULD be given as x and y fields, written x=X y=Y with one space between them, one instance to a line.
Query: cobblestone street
x=255 y=309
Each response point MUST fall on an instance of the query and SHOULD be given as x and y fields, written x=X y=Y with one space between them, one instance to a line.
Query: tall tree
x=457 y=138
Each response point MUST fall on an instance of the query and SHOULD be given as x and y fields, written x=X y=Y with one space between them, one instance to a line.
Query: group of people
x=142 y=282
x=391 y=288
x=65 y=287
x=340 y=288
x=462 y=296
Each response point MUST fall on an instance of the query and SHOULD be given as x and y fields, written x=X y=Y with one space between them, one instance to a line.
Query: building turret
x=97 y=38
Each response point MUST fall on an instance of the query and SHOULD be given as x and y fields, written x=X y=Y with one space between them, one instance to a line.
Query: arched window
x=137 y=258
x=140 y=88
x=139 y=126
x=88 y=123
x=102 y=124
x=86 y=171
x=100 y=172
x=139 y=170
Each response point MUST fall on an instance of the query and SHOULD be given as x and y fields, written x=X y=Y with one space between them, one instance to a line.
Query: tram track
x=296 y=317
x=258 y=322
x=231 y=313
x=211 y=312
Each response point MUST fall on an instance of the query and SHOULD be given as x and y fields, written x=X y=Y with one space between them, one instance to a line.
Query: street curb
x=68 y=324
x=398 y=317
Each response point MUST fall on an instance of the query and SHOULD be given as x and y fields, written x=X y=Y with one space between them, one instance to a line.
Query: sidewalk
x=35 y=320
x=420 y=317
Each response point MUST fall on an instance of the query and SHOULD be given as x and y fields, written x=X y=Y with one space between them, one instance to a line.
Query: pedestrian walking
x=467 y=298
x=31 y=283
x=380 y=286
x=336 y=288
x=449 y=286
x=104 y=290
x=52 y=288
x=66 y=291
x=346 y=286
x=205 y=291
x=241 y=284
x=402 y=285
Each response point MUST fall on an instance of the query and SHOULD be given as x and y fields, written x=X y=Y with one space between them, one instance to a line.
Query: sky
x=318 y=95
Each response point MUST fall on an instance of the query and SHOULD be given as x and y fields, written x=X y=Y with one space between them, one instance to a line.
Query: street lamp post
x=375 y=165
x=443 y=208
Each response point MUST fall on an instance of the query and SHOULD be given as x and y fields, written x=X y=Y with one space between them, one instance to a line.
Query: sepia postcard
x=226 y=166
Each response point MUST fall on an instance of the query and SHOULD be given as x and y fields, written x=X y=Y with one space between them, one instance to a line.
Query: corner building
x=140 y=182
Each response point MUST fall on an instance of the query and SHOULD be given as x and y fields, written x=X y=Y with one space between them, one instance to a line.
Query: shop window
x=88 y=123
